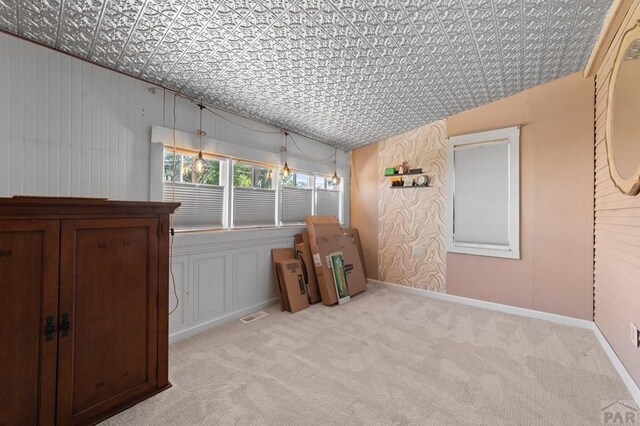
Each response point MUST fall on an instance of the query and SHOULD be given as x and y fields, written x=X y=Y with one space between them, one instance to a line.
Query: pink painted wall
x=555 y=272
x=617 y=230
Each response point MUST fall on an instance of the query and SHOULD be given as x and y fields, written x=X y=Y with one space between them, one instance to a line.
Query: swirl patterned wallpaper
x=415 y=216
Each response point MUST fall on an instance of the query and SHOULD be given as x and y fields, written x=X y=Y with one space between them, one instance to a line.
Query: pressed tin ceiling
x=348 y=72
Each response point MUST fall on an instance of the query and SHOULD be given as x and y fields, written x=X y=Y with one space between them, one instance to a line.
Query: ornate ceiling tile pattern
x=348 y=72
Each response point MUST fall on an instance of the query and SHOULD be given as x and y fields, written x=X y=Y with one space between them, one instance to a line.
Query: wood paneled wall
x=617 y=231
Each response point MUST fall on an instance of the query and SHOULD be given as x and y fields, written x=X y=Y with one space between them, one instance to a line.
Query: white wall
x=70 y=128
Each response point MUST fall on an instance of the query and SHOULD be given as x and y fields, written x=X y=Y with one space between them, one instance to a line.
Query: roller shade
x=202 y=205
x=481 y=194
x=296 y=204
x=328 y=203
x=254 y=206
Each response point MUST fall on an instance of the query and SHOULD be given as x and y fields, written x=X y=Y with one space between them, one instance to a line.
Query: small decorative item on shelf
x=423 y=180
x=389 y=171
x=405 y=167
x=397 y=182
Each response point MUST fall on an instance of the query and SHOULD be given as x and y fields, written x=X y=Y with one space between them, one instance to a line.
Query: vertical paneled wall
x=617 y=231
x=70 y=128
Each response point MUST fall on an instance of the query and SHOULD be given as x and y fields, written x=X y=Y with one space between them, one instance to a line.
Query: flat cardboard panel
x=290 y=271
x=353 y=266
x=319 y=226
x=303 y=253
x=355 y=235
x=279 y=255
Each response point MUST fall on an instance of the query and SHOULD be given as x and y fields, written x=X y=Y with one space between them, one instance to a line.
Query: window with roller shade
x=483 y=194
x=254 y=199
x=327 y=197
x=296 y=197
x=201 y=195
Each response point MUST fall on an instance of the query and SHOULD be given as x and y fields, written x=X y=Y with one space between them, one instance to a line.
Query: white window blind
x=481 y=200
x=254 y=206
x=202 y=205
x=296 y=204
x=328 y=203
x=483 y=193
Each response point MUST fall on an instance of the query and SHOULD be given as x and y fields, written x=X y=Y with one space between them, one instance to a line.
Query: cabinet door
x=28 y=301
x=108 y=294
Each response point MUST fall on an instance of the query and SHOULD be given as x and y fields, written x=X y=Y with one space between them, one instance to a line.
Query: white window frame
x=222 y=183
x=511 y=136
x=280 y=195
x=274 y=188
x=226 y=180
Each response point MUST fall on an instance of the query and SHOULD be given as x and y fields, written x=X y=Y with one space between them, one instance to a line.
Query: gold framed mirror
x=623 y=115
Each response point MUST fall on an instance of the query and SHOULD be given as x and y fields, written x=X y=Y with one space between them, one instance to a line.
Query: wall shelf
x=406 y=174
x=409 y=186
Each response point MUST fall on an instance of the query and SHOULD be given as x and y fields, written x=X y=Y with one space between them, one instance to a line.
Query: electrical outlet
x=635 y=336
x=415 y=251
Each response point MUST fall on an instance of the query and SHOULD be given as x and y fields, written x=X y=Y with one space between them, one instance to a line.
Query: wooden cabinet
x=83 y=308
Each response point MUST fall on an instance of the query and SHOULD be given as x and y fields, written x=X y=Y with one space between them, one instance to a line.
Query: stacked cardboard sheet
x=326 y=264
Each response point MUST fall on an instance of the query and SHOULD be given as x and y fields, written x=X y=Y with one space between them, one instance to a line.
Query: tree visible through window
x=250 y=176
x=179 y=168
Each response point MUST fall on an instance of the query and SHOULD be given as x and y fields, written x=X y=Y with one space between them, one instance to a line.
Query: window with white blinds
x=483 y=194
x=295 y=205
x=202 y=205
x=233 y=193
x=254 y=207
x=328 y=203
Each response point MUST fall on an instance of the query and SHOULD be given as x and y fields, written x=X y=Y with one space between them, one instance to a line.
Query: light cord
x=173 y=199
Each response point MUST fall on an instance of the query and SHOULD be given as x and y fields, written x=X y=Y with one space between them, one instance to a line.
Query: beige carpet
x=385 y=358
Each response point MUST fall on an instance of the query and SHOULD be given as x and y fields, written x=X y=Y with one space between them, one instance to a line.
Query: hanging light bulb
x=285 y=171
x=335 y=179
x=199 y=164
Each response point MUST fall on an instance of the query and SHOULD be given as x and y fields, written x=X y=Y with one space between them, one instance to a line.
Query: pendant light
x=285 y=171
x=335 y=179
x=199 y=164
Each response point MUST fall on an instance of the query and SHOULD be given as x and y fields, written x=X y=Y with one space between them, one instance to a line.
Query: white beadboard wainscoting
x=223 y=275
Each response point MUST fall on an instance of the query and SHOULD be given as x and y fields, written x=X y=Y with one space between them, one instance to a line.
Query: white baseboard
x=617 y=364
x=631 y=385
x=524 y=312
x=197 y=329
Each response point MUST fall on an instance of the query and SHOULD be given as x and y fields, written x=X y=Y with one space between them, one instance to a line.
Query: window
x=202 y=196
x=254 y=200
x=296 y=201
x=237 y=193
x=327 y=197
x=483 y=194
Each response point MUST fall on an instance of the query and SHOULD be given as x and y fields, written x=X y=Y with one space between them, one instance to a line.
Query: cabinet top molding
x=61 y=207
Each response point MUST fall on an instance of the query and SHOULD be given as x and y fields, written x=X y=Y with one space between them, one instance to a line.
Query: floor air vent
x=253 y=317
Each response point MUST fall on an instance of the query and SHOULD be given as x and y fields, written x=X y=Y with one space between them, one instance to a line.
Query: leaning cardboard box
x=356 y=280
x=303 y=253
x=294 y=287
x=279 y=255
